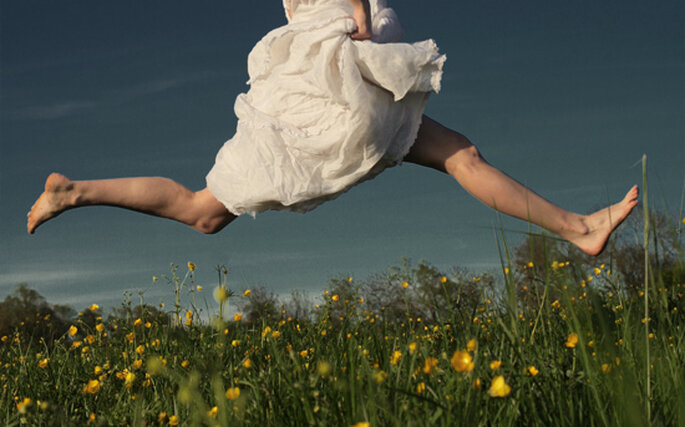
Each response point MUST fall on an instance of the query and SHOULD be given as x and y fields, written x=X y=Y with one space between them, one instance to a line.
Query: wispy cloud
x=115 y=97
x=52 y=111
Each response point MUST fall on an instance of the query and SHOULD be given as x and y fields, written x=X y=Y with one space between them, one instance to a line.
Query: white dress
x=323 y=112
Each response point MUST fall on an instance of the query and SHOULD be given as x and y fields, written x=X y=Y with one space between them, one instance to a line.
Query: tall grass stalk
x=645 y=207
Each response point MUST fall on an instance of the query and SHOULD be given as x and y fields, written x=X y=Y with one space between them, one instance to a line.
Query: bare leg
x=448 y=151
x=155 y=196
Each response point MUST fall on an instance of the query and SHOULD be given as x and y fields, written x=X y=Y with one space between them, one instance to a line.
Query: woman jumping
x=334 y=100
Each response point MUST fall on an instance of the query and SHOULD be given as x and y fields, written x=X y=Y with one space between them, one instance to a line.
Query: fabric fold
x=323 y=112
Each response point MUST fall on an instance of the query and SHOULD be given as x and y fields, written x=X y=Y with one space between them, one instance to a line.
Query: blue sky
x=564 y=96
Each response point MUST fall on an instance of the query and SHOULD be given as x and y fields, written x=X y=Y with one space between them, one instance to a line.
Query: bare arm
x=362 y=17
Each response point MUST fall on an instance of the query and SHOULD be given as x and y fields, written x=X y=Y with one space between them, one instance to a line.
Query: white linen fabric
x=323 y=112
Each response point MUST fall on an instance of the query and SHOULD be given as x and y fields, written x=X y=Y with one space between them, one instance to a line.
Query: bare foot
x=601 y=223
x=57 y=198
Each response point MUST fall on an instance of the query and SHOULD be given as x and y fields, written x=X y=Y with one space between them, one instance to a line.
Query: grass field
x=548 y=343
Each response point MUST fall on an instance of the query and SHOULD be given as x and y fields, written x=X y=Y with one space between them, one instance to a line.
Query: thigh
x=435 y=144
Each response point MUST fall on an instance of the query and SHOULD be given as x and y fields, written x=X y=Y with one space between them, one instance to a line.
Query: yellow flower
x=237 y=317
x=221 y=293
x=266 y=331
x=91 y=417
x=420 y=388
x=140 y=349
x=235 y=343
x=405 y=285
x=462 y=361
x=304 y=353
x=137 y=364
x=532 y=370
x=395 y=357
x=247 y=293
x=247 y=364
x=232 y=393
x=97 y=370
x=129 y=379
x=361 y=424
x=189 y=314
x=443 y=279
x=506 y=270
x=495 y=365
x=185 y=364
x=572 y=340
x=530 y=265
x=323 y=368
x=92 y=387
x=335 y=297
x=380 y=376
x=191 y=266
x=94 y=307
x=212 y=413
x=148 y=325
x=43 y=363
x=23 y=405
x=73 y=330
x=99 y=327
x=138 y=322
x=606 y=368
x=275 y=334
x=471 y=345
x=430 y=365
x=173 y=420
x=412 y=347
x=499 y=388
x=597 y=271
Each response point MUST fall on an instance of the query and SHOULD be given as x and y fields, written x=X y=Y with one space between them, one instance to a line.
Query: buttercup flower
x=462 y=361
x=495 y=365
x=395 y=357
x=24 y=405
x=73 y=330
x=572 y=340
x=93 y=307
x=247 y=293
x=191 y=266
x=221 y=293
x=43 y=363
x=472 y=345
x=237 y=317
x=232 y=393
x=533 y=371
x=212 y=413
x=92 y=387
x=499 y=387
x=430 y=365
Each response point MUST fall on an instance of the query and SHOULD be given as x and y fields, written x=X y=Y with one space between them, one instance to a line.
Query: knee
x=210 y=225
x=466 y=159
x=208 y=215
